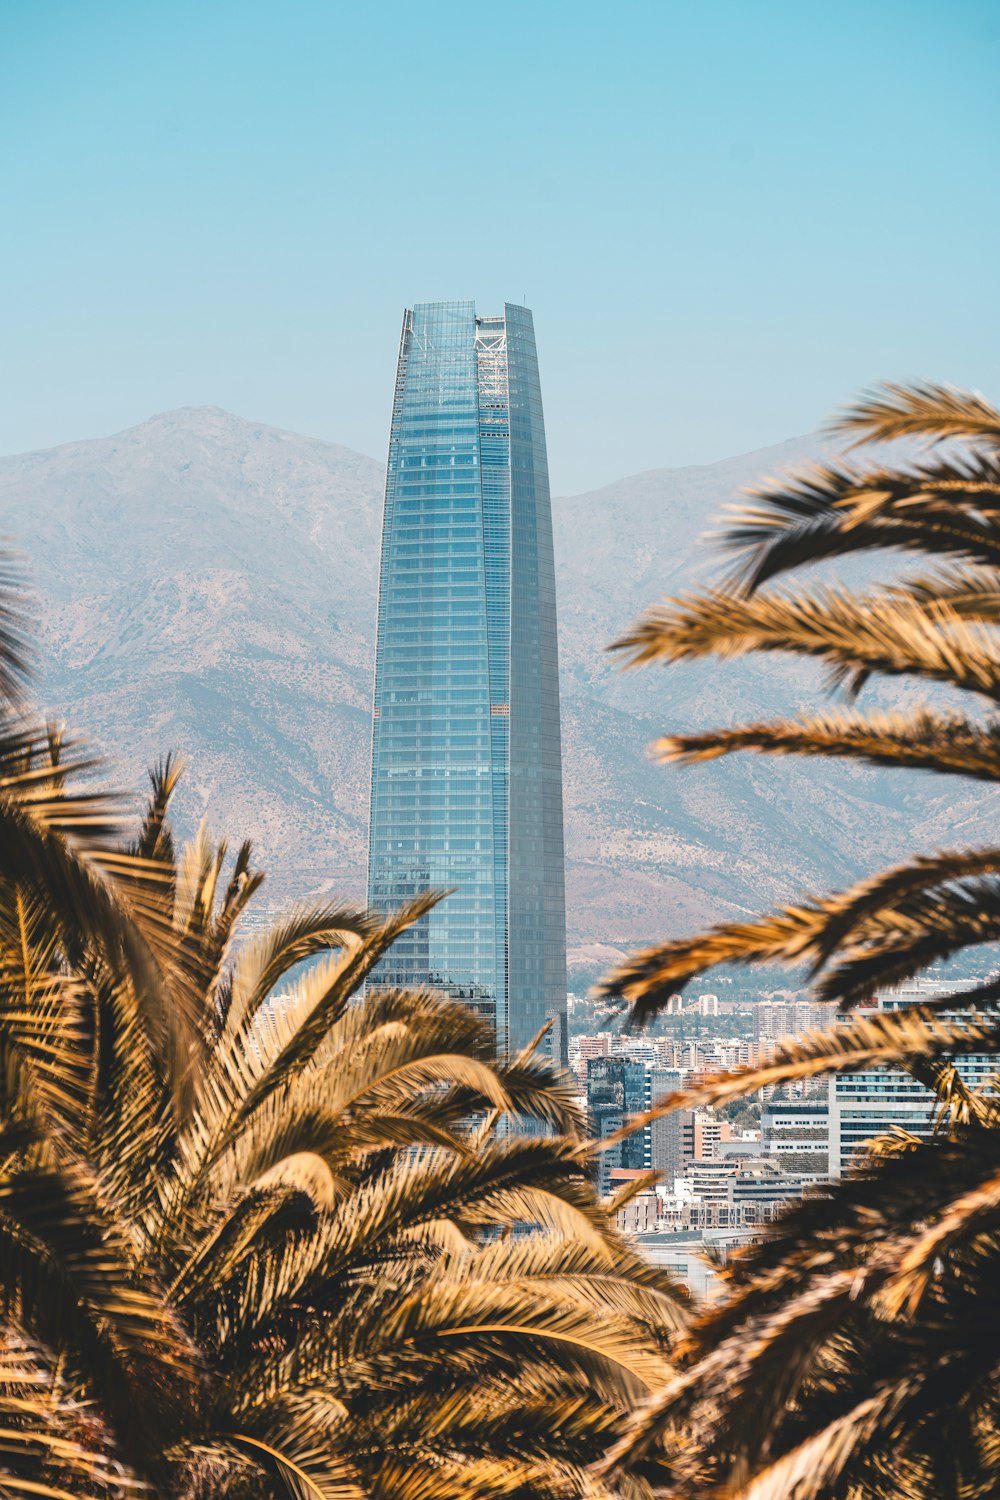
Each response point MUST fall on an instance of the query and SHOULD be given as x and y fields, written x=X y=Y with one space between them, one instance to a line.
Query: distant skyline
x=726 y=217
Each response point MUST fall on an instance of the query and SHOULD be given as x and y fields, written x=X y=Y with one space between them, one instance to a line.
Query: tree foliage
x=266 y=1227
x=854 y=1352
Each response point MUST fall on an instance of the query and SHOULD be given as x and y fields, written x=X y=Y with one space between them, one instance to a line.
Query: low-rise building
x=691 y=1256
x=712 y=1178
x=795 y=1125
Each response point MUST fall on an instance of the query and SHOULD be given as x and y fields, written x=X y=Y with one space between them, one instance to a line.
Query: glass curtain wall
x=466 y=764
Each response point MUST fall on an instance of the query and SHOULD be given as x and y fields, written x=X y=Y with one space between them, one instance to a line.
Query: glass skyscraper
x=466 y=761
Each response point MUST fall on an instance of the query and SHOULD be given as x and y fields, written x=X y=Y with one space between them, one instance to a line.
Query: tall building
x=466 y=761
x=775 y=1019
x=671 y=1139
x=618 y=1088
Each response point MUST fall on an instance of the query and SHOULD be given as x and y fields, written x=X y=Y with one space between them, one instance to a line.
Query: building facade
x=671 y=1136
x=466 y=759
x=880 y=1101
x=617 y=1088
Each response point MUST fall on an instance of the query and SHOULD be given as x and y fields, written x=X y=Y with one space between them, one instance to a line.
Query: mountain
x=208 y=585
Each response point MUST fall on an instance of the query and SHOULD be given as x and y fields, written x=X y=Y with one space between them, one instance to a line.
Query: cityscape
x=466 y=798
x=721 y=1176
x=499 y=751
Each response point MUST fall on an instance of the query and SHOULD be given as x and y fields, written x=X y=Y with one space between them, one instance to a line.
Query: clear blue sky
x=727 y=215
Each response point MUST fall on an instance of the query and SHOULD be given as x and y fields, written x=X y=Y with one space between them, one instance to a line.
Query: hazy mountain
x=208 y=585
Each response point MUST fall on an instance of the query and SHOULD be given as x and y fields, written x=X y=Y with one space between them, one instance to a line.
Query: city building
x=744 y=1145
x=557 y=1038
x=586 y=1047
x=690 y=1257
x=638 y=1048
x=709 y=1132
x=466 y=766
x=774 y=1019
x=639 y=1215
x=797 y=1132
x=671 y=1137
x=711 y=1178
x=761 y=1188
x=795 y=1125
x=883 y=1100
x=617 y=1088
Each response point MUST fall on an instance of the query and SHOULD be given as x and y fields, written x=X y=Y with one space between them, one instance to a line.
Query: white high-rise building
x=876 y=1102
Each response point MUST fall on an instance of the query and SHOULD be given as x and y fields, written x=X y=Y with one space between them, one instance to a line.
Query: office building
x=795 y=1125
x=774 y=1020
x=618 y=1088
x=671 y=1136
x=466 y=765
x=880 y=1101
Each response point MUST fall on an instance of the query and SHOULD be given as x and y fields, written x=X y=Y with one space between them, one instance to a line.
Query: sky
x=728 y=216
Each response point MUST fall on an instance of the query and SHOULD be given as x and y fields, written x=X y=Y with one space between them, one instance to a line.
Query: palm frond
x=518 y=1180
x=15 y=621
x=920 y=883
x=272 y=1233
x=312 y=1475
x=155 y=838
x=45 y=1010
x=46 y=1441
x=255 y=1223
x=266 y=960
x=971 y=592
x=68 y=1271
x=847 y=1355
x=813 y=1468
x=926 y=740
x=522 y=1317
x=970 y=1214
x=882 y=930
x=57 y=844
x=343 y=1120
x=921 y=409
x=386 y=1075
x=917 y=931
x=313 y=1029
x=608 y=1274
x=647 y=979
x=826 y=511
x=853 y=635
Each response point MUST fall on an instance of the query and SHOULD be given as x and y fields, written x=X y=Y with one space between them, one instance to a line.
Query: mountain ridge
x=208 y=584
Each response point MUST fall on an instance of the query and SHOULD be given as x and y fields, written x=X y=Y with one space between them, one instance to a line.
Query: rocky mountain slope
x=207 y=584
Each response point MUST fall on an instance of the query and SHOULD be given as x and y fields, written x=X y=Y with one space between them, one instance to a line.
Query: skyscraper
x=466 y=760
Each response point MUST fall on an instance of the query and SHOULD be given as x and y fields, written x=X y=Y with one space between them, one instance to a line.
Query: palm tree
x=294 y=1244
x=855 y=1352
x=61 y=864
